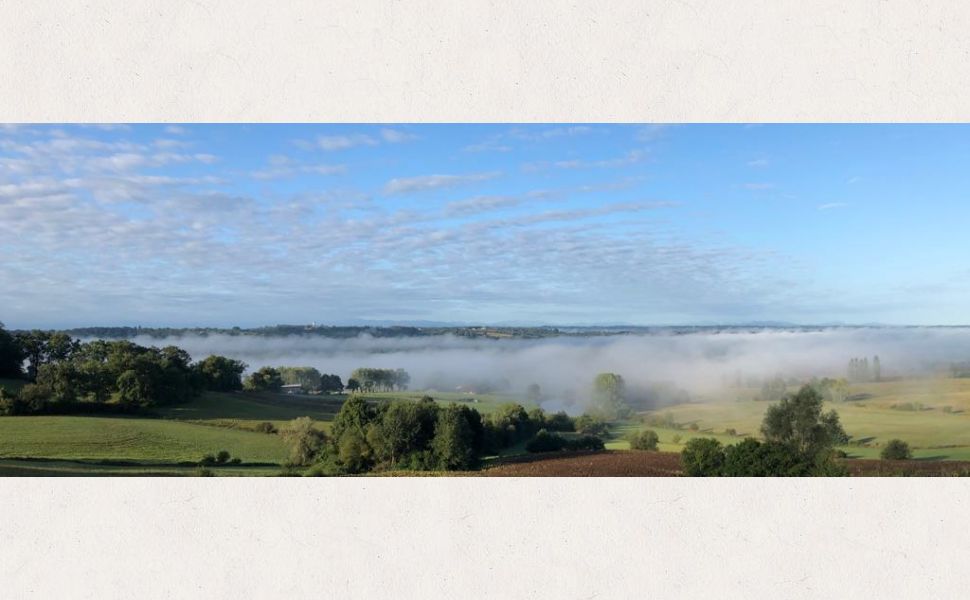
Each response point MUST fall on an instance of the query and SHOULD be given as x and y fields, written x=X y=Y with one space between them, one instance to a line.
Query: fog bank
x=697 y=362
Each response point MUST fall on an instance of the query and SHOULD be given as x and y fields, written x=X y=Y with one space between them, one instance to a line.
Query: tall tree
x=454 y=441
x=799 y=423
x=609 y=396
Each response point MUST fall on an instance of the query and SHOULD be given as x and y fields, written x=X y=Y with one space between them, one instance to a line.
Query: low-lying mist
x=564 y=367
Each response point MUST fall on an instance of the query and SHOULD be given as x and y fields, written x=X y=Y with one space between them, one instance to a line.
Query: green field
x=130 y=439
x=868 y=416
x=175 y=436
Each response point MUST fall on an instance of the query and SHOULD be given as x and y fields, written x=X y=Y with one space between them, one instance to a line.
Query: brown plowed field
x=912 y=468
x=611 y=463
x=631 y=463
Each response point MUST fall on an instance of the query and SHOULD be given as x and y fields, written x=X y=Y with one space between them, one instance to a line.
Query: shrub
x=896 y=450
x=702 y=457
x=694 y=427
x=546 y=442
x=353 y=453
x=208 y=460
x=705 y=457
x=751 y=458
x=585 y=442
x=236 y=461
x=223 y=457
x=644 y=440
x=304 y=440
x=550 y=442
x=677 y=438
x=265 y=427
x=731 y=431
x=590 y=425
x=8 y=403
x=560 y=421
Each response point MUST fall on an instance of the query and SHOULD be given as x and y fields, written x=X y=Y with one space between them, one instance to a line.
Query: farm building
x=292 y=388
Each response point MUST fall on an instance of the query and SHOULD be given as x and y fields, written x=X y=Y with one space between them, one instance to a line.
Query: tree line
x=860 y=370
x=378 y=380
x=421 y=435
x=271 y=379
x=66 y=375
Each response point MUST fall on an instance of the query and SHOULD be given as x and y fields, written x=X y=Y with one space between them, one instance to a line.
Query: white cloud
x=832 y=205
x=630 y=158
x=758 y=186
x=492 y=143
x=479 y=204
x=396 y=136
x=651 y=133
x=281 y=167
x=343 y=142
x=552 y=133
x=758 y=162
x=407 y=185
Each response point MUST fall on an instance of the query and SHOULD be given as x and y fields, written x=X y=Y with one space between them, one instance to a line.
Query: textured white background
x=483 y=61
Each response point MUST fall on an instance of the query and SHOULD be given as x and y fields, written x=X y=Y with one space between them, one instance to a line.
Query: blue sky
x=544 y=224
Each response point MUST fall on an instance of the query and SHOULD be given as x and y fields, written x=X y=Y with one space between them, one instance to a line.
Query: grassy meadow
x=932 y=415
x=173 y=439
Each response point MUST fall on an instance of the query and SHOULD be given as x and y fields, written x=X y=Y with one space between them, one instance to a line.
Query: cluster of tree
x=308 y=377
x=265 y=379
x=271 y=379
x=330 y=383
x=381 y=380
x=861 y=371
x=223 y=457
x=420 y=435
x=69 y=376
x=799 y=440
x=220 y=374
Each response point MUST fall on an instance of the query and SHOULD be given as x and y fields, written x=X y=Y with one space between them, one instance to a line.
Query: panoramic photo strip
x=561 y=299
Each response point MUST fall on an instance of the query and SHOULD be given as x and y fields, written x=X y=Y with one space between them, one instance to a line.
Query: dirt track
x=627 y=463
